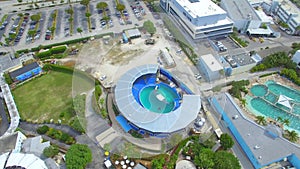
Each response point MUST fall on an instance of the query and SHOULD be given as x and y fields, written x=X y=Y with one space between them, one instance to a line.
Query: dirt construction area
x=109 y=59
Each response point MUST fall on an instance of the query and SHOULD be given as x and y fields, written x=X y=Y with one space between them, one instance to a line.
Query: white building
x=210 y=67
x=288 y=12
x=296 y=58
x=242 y=13
x=285 y=10
x=200 y=18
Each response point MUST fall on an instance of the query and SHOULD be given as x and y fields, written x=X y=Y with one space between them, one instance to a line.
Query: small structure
x=166 y=58
x=26 y=72
x=107 y=163
x=35 y=145
x=285 y=101
x=125 y=39
x=296 y=58
x=133 y=33
x=210 y=67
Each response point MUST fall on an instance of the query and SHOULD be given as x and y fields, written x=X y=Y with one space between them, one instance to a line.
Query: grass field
x=47 y=97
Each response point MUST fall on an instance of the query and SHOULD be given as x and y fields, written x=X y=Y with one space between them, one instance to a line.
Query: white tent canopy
x=285 y=101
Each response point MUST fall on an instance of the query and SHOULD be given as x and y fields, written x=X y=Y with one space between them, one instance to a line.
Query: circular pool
x=158 y=98
x=259 y=90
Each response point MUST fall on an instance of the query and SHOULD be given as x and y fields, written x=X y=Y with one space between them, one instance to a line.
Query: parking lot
x=55 y=23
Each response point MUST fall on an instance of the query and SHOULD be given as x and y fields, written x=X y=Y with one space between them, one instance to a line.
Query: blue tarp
x=123 y=122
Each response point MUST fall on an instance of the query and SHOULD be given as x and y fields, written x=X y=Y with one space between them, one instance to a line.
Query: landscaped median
x=53 y=27
x=3 y=19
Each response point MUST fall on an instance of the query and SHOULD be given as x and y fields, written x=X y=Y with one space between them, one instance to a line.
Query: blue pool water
x=259 y=90
x=158 y=98
x=271 y=97
x=266 y=104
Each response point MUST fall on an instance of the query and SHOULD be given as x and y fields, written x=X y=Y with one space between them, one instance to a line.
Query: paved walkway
x=11 y=106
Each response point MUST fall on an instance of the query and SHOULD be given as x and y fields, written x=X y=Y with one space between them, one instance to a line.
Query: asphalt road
x=4 y=123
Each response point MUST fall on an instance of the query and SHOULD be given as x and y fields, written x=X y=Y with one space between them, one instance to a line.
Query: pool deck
x=262 y=148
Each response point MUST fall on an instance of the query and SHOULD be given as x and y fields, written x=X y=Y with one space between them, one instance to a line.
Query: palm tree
x=279 y=119
x=286 y=122
x=261 y=120
x=243 y=102
x=79 y=30
x=292 y=135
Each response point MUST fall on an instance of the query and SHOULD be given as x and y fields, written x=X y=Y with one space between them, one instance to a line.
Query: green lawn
x=46 y=97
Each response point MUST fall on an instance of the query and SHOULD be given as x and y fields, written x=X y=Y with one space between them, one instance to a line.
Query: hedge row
x=56 y=134
x=48 y=53
x=58 y=44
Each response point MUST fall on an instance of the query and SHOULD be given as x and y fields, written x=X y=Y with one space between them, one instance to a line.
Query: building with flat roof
x=152 y=101
x=262 y=145
x=241 y=62
x=289 y=13
x=200 y=18
x=210 y=67
x=26 y=72
x=242 y=14
x=296 y=58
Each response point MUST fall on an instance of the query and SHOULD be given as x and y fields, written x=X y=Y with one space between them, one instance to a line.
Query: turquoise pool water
x=274 y=112
x=265 y=102
x=259 y=90
x=271 y=97
x=159 y=99
x=289 y=92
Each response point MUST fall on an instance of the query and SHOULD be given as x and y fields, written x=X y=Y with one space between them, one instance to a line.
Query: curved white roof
x=185 y=164
x=28 y=161
x=143 y=118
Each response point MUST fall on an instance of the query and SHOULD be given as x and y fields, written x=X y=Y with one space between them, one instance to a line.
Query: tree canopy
x=292 y=135
x=226 y=160
x=78 y=156
x=85 y=2
x=101 y=5
x=226 y=141
x=205 y=159
x=50 y=151
x=120 y=7
x=35 y=18
x=149 y=26
x=158 y=163
x=261 y=120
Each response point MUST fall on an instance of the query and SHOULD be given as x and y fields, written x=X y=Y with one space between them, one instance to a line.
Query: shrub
x=43 y=129
x=50 y=151
x=59 y=49
x=43 y=55
x=78 y=156
x=226 y=141
x=98 y=92
x=7 y=78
